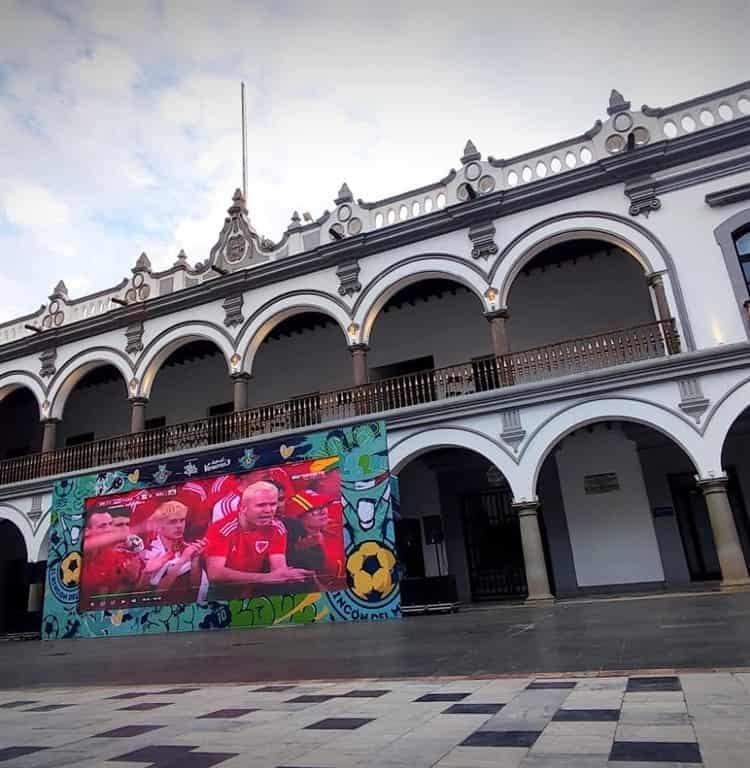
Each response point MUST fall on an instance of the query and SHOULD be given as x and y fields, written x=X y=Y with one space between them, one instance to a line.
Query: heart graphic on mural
x=133 y=476
x=286 y=451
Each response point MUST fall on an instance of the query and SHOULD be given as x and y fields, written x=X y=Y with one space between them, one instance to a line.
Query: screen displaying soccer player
x=270 y=531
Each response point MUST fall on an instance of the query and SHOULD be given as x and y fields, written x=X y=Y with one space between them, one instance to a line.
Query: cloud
x=119 y=123
x=34 y=207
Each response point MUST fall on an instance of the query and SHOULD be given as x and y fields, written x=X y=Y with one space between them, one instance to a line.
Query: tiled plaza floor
x=579 y=722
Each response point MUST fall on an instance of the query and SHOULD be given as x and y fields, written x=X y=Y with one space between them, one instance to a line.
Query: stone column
x=240 y=387
x=49 y=439
x=499 y=331
x=138 y=414
x=533 y=551
x=656 y=283
x=359 y=363
x=731 y=557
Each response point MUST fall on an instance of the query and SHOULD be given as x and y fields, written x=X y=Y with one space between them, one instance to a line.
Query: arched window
x=742 y=246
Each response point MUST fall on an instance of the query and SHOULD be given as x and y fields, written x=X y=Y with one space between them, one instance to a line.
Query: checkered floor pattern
x=586 y=722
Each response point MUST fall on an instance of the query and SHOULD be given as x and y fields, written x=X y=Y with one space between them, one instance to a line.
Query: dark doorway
x=695 y=528
x=14 y=580
x=493 y=545
x=409 y=547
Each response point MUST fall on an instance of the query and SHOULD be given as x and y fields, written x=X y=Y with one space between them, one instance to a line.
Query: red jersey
x=245 y=550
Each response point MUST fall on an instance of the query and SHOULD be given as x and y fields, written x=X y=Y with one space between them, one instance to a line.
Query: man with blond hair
x=172 y=564
x=247 y=549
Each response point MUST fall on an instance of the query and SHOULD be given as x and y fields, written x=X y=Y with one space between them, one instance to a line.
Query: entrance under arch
x=735 y=460
x=623 y=512
x=457 y=520
x=583 y=304
x=96 y=408
x=20 y=428
x=14 y=580
x=433 y=323
x=192 y=383
x=301 y=356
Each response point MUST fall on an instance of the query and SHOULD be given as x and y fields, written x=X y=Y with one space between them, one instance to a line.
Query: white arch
x=387 y=284
x=265 y=319
x=551 y=431
x=76 y=368
x=720 y=421
x=403 y=449
x=161 y=347
x=17 y=379
x=604 y=227
x=15 y=516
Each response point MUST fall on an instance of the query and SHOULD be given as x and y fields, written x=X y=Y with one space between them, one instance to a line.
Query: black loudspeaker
x=433 y=529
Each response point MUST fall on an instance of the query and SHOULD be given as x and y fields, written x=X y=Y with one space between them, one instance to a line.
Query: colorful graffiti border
x=369 y=493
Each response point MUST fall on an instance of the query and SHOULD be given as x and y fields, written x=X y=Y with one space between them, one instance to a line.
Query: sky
x=120 y=121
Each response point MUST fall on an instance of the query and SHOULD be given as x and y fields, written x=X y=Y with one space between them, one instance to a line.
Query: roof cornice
x=620 y=168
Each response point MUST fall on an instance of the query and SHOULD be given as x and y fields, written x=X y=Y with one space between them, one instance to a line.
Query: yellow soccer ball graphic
x=370 y=571
x=70 y=569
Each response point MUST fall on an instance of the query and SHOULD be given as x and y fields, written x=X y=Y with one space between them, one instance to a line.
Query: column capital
x=494 y=314
x=359 y=347
x=655 y=278
x=241 y=376
x=523 y=508
x=713 y=484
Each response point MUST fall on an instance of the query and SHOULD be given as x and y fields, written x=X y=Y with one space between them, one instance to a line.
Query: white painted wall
x=612 y=534
x=576 y=299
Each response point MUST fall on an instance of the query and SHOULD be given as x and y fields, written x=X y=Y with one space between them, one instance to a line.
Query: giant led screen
x=273 y=531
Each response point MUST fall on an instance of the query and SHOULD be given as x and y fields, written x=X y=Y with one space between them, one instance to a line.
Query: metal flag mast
x=244 y=143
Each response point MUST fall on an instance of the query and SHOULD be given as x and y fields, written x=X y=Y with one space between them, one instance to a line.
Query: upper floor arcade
x=495 y=287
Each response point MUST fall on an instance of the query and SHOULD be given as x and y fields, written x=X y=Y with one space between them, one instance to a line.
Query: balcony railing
x=480 y=375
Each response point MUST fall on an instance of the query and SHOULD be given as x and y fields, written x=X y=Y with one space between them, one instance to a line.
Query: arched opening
x=457 y=521
x=433 y=323
x=623 y=511
x=14 y=580
x=583 y=289
x=96 y=408
x=735 y=461
x=302 y=355
x=191 y=383
x=20 y=428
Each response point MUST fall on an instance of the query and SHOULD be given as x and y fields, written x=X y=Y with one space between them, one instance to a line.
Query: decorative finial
x=470 y=153
x=181 y=258
x=238 y=203
x=143 y=264
x=345 y=195
x=60 y=291
x=295 y=222
x=617 y=103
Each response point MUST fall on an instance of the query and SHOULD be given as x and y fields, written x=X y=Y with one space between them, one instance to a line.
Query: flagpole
x=244 y=143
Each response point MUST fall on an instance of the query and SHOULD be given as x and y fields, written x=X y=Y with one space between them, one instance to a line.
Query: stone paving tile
x=565 y=726
x=483 y=757
x=126 y=731
x=10 y=753
x=586 y=715
x=428 y=697
x=655 y=751
x=641 y=684
x=501 y=739
x=641 y=732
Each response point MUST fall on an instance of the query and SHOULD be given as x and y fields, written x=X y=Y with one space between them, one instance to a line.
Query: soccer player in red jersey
x=248 y=547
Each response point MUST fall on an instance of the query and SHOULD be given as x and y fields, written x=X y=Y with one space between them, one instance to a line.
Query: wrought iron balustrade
x=598 y=351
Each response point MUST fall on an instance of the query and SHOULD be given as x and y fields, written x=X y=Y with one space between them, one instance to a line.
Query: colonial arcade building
x=557 y=342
